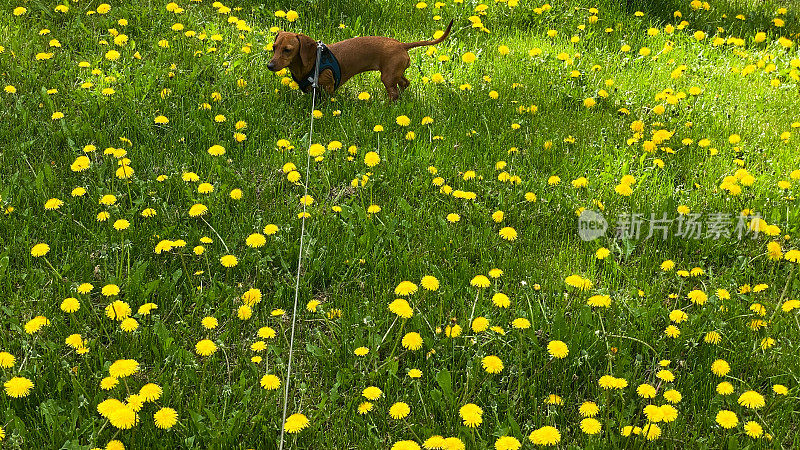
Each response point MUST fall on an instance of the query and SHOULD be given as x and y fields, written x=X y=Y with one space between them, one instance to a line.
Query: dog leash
x=315 y=90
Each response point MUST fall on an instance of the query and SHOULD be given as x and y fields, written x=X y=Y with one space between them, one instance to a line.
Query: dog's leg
x=390 y=82
x=326 y=81
x=403 y=83
x=393 y=76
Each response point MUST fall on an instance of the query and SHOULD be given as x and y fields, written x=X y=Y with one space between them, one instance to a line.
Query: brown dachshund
x=298 y=52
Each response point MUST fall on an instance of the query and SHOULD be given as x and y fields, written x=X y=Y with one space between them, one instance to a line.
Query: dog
x=343 y=60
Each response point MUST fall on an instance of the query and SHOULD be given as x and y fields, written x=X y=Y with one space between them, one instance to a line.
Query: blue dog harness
x=326 y=61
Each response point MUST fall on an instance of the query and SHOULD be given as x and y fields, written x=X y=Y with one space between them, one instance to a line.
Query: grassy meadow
x=152 y=175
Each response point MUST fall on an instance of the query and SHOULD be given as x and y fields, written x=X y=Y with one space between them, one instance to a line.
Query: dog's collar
x=327 y=61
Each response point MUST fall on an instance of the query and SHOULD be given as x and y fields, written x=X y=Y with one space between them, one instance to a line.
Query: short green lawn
x=152 y=176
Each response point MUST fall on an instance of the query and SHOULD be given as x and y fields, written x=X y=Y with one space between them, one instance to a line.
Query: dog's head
x=291 y=48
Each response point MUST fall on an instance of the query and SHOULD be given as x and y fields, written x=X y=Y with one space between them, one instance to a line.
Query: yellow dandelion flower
x=557 y=349
x=399 y=410
x=205 y=347
x=727 y=419
x=492 y=364
x=412 y=341
x=165 y=418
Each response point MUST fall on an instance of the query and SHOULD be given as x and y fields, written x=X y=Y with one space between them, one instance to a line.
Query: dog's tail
x=410 y=45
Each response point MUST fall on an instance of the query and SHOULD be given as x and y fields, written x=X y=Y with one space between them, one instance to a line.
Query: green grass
x=354 y=260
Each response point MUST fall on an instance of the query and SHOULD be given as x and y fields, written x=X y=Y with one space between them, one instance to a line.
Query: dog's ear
x=307 y=51
x=276 y=39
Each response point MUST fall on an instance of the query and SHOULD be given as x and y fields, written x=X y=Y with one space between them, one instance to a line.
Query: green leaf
x=3 y=264
x=392 y=367
x=514 y=425
x=317 y=352
x=436 y=395
x=197 y=420
x=150 y=287
x=48 y=175
x=445 y=381
x=52 y=413
x=38 y=182
x=403 y=204
x=138 y=274
x=212 y=417
x=163 y=336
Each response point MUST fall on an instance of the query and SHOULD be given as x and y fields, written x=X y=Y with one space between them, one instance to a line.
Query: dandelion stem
x=426 y=320
x=399 y=336
x=739 y=380
x=635 y=421
x=411 y=430
x=441 y=313
x=53 y=268
x=422 y=400
x=186 y=274
x=764 y=422
x=634 y=339
x=128 y=185
x=783 y=294
x=387 y=333
x=28 y=353
x=521 y=370
x=228 y=367
x=94 y=440
x=215 y=232
x=472 y=314
x=102 y=324
x=120 y=260
x=608 y=406
x=203 y=386
x=541 y=306
x=605 y=338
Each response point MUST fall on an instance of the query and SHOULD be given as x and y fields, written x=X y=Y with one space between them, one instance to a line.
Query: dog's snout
x=271 y=66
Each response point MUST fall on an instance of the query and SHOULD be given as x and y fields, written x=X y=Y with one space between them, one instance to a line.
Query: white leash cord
x=315 y=87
